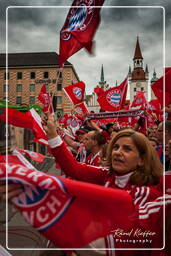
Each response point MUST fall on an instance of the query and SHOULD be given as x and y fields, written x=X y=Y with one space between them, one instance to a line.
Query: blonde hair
x=150 y=172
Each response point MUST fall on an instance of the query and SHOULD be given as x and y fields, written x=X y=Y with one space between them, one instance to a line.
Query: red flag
x=139 y=100
x=38 y=157
x=150 y=120
x=81 y=108
x=29 y=119
x=17 y=159
x=75 y=92
x=114 y=98
x=46 y=99
x=52 y=206
x=154 y=105
x=167 y=69
x=99 y=91
x=63 y=119
x=158 y=88
x=79 y=28
x=68 y=120
x=75 y=125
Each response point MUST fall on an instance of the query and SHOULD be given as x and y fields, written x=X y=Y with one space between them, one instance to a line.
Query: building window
x=18 y=100
x=5 y=98
x=32 y=87
x=135 y=89
x=142 y=89
x=5 y=88
x=46 y=74
x=59 y=87
x=19 y=75
x=59 y=112
x=59 y=100
x=32 y=100
x=6 y=76
x=59 y=74
x=32 y=75
x=19 y=88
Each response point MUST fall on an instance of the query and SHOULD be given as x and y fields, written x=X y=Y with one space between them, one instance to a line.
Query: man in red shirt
x=93 y=142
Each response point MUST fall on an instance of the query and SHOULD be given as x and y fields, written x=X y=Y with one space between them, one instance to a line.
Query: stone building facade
x=20 y=83
x=26 y=74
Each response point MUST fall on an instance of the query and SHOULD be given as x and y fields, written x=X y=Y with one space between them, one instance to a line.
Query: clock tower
x=138 y=78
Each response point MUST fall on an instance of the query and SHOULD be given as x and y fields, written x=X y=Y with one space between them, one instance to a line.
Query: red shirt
x=93 y=159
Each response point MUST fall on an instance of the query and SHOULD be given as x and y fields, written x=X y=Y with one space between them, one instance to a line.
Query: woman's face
x=125 y=156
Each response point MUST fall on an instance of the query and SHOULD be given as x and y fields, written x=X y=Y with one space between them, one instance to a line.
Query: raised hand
x=13 y=190
x=48 y=122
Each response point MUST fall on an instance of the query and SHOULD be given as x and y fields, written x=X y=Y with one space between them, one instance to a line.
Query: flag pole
x=121 y=99
x=53 y=93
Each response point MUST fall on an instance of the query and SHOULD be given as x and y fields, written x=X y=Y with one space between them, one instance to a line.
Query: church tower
x=138 y=78
x=102 y=82
x=154 y=79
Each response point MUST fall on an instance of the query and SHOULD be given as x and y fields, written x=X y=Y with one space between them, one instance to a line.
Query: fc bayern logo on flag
x=113 y=97
x=79 y=109
x=74 y=123
x=41 y=207
x=78 y=18
x=78 y=93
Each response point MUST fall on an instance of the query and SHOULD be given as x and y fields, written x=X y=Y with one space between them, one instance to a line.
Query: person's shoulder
x=142 y=194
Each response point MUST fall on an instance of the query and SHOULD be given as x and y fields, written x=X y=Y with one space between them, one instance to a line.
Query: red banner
x=121 y=113
x=52 y=206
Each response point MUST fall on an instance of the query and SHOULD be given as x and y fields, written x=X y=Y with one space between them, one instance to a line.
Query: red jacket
x=147 y=229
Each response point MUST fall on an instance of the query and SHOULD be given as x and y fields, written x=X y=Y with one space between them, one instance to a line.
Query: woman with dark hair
x=147 y=170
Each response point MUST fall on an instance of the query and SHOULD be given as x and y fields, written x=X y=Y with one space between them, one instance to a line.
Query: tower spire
x=129 y=71
x=137 y=53
x=154 y=78
x=102 y=75
x=102 y=82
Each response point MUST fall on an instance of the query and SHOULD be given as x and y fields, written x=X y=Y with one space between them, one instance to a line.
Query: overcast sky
x=37 y=29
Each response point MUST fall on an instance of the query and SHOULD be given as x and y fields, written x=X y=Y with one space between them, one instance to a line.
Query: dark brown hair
x=150 y=172
x=98 y=137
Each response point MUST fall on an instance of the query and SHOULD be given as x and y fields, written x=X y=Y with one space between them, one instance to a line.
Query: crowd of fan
x=90 y=144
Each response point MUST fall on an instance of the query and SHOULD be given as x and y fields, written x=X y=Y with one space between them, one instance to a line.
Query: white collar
x=121 y=181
